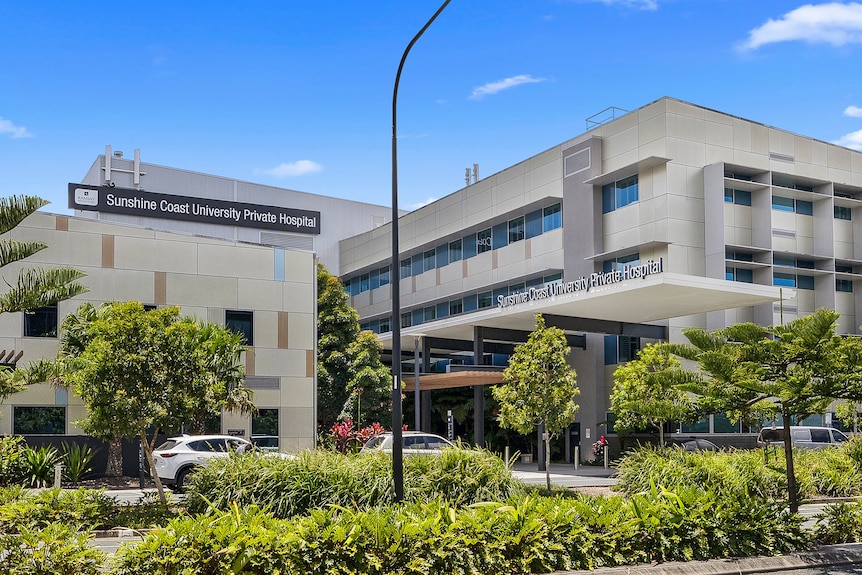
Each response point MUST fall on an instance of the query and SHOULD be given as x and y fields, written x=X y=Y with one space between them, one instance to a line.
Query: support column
x=426 y=395
x=478 y=390
x=416 y=399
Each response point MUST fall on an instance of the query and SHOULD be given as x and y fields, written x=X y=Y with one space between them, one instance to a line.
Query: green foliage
x=646 y=393
x=839 y=523
x=315 y=479
x=56 y=548
x=79 y=508
x=76 y=461
x=39 y=465
x=528 y=535
x=12 y=462
x=369 y=389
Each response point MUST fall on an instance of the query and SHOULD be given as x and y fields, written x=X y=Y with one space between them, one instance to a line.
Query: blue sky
x=298 y=94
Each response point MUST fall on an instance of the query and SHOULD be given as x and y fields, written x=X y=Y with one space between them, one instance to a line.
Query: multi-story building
x=666 y=217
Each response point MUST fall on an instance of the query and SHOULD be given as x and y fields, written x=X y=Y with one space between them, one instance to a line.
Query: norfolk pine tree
x=539 y=387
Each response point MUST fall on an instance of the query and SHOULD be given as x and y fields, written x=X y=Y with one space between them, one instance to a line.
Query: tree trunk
x=115 y=458
x=792 y=495
x=148 y=447
x=661 y=435
x=548 y=459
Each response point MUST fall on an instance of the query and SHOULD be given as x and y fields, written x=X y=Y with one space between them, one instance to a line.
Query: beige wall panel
x=838 y=158
x=295 y=422
x=804 y=226
x=361 y=300
x=512 y=271
x=6 y=419
x=479 y=263
x=545 y=174
x=12 y=326
x=741 y=135
x=73 y=249
x=621 y=144
x=300 y=330
x=784 y=220
x=623 y=219
x=802 y=149
x=654 y=148
x=782 y=244
x=805 y=244
x=92 y=226
x=696 y=262
x=686 y=127
x=781 y=142
x=449 y=221
x=36 y=394
x=546 y=243
x=451 y=272
x=840 y=176
x=202 y=290
x=259 y=294
x=717 y=117
x=299 y=297
x=512 y=253
x=235 y=261
x=148 y=254
x=426 y=280
x=478 y=280
x=686 y=208
x=283 y=362
x=686 y=151
x=297 y=392
x=686 y=233
x=119 y=285
x=213 y=315
x=759 y=139
x=751 y=159
x=510 y=190
x=694 y=182
x=685 y=109
x=265 y=329
x=713 y=154
x=676 y=179
x=844 y=250
x=820 y=153
x=652 y=129
x=478 y=208
x=299 y=267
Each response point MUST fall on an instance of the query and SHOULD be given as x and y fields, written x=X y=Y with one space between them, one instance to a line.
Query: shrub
x=289 y=487
x=56 y=548
x=839 y=523
x=526 y=535
x=77 y=458
x=39 y=465
x=12 y=467
x=81 y=508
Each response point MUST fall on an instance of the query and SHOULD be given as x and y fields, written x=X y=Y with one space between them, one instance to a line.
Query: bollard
x=605 y=449
x=58 y=475
x=506 y=457
x=577 y=456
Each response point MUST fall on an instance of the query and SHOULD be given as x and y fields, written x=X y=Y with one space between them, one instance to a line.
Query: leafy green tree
x=34 y=287
x=645 y=393
x=539 y=387
x=793 y=370
x=369 y=398
x=337 y=328
x=141 y=372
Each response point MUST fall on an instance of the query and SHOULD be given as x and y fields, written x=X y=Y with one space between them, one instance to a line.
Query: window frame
x=232 y=324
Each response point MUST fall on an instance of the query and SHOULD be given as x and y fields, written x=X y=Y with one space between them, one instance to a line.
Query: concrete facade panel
x=301 y=330
x=223 y=260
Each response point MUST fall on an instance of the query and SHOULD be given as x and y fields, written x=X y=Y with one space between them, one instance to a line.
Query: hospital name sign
x=583 y=283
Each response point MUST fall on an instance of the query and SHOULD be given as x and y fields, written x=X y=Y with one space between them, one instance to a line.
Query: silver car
x=414 y=442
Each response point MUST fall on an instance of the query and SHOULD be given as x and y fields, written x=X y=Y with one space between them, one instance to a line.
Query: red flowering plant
x=345 y=439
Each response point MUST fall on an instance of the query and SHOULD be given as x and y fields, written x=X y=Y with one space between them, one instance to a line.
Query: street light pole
x=397 y=439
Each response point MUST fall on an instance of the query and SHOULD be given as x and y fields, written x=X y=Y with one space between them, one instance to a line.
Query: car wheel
x=181 y=478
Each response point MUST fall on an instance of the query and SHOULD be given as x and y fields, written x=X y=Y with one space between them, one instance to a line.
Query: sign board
x=132 y=202
x=236 y=432
x=450 y=426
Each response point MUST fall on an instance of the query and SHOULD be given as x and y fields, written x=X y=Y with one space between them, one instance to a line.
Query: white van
x=801 y=436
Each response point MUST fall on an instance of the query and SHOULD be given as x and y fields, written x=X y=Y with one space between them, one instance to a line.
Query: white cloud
x=298 y=168
x=500 y=85
x=639 y=4
x=7 y=127
x=853 y=111
x=831 y=23
x=852 y=140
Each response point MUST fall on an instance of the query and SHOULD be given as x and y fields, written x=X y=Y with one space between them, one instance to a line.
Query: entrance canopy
x=636 y=301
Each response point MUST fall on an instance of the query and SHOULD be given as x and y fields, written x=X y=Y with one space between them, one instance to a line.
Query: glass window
x=700 y=426
x=406 y=268
x=784 y=280
x=610 y=349
x=516 y=230
x=406 y=319
x=442 y=309
x=455 y=251
x=503 y=291
x=442 y=257
x=844 y=268
x=455 y=307
x=552 y=217
x=781 y=203
x=627 y=191
x=265 y=422
x=843 y=213
x=628 y=348
x=517 y=288
x=728 y=195
x=385 y=325
x=375 y=279
x=483 y=241
x=470 y=303
x=38 y=420
x=804 y=208
x=783 y=261
x=485 y=300
x=241 y=322
x=471 y=245
x=417 y=264
x=722 y=424
x=533 y=224
x=553 y=278
x=738 y=275
x=418 y=316
x=501 y=236
x=429 y=313
x=384 y=276
x=363 y=283
x=805 y=282
x=845 y=286
x=41 y=322
x=429 y=260
x=608 y=198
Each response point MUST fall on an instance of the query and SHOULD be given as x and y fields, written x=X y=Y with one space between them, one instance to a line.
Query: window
x=739 y=197
x=385 y=325
x=843 y=268
x=618 y=264
x=38 y=420
x=516 y=230
x=483 y=241
x=455 y=251
x=442 y=255
x=456 y=307
x=533 y=224
x=384 y=276
x=845 y=286
x=406 y=268
x=842 y=213
x=417 y=264
x=500 y=234
x=738 y=256
x=793 y=280
x=619 y=194
x=375 y=279
x=429 y=259
x=265 y=422
x=406 y=319
x=552 y=217
x=620 y=349
x=485 y=299
x=429 y=314
x=790 y=205
x=364 y=282
x=41 y=322
x=241 y=322
x=738 y=275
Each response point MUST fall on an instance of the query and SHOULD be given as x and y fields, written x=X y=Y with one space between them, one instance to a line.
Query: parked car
x=808 y=437
x=414 y=443
x=693 y=444
x=267 y=443
x=178 y=456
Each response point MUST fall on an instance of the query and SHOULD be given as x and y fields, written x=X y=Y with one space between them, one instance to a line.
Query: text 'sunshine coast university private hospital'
x=666 y=217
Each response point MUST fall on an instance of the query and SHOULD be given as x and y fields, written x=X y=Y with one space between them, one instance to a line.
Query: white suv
x=414 y=442
x=177 y=456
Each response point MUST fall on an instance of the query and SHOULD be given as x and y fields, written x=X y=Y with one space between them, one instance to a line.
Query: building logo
x=583 y=283
x=209 y=211
x=86 y=197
